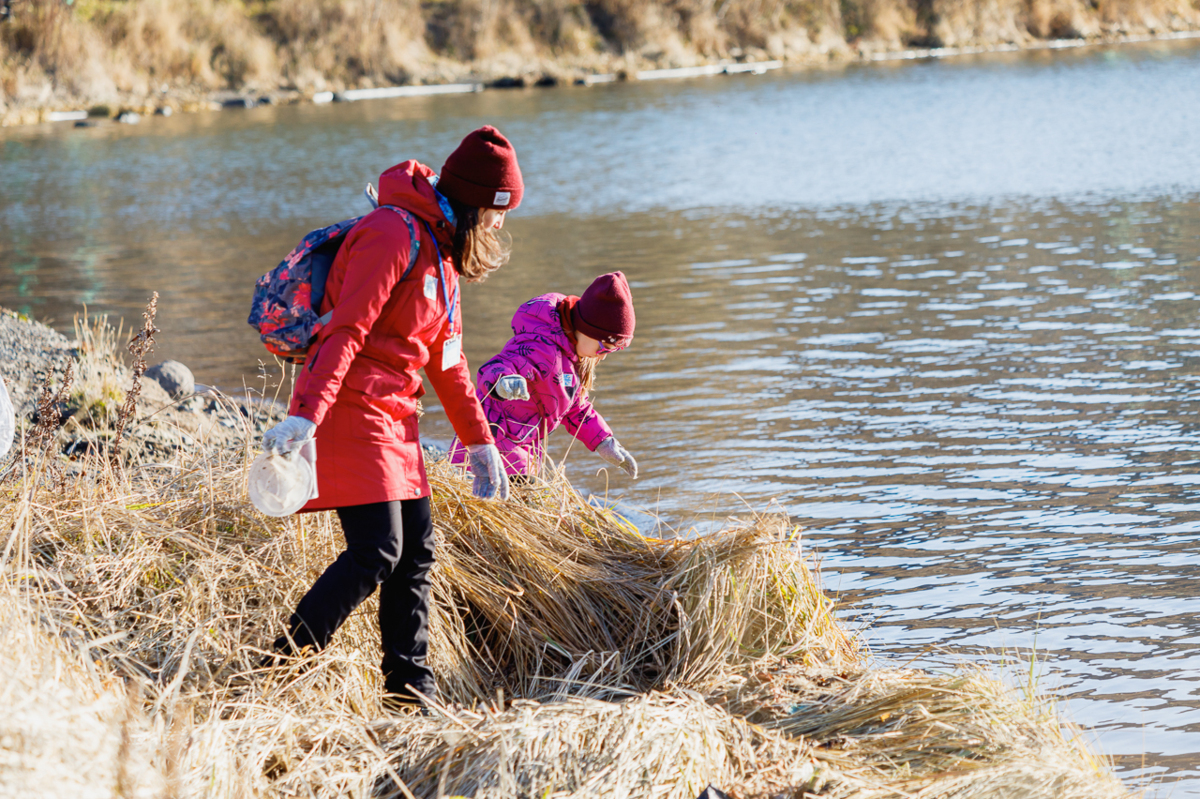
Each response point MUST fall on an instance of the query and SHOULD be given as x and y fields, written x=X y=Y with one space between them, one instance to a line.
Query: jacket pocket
x=378 y=380
x=395 y=408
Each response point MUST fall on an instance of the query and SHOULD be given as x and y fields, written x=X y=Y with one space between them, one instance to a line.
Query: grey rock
x=174 y=377
x=154 y=395
x=517 y=82
x=434 y=452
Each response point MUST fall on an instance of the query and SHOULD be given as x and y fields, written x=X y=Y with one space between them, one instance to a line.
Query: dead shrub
x=45 y=38
x=623 y=24
x=1054 y=19
x=347 y=40
x=212 y=44
x=973 y=22
x=563 y=26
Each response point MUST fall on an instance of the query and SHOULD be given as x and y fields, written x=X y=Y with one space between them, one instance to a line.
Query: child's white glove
x=512 y=387
x=617 y=455
x=491 y=480
x=289 y=435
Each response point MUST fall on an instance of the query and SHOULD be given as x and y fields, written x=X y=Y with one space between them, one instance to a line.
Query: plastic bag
x=280 y=485
x=8 y=420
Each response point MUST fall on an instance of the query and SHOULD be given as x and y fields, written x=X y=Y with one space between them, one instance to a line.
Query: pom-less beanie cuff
x=483 y=172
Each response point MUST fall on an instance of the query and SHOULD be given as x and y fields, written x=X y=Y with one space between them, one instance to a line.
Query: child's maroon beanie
x=605 y=311
x=483 y=172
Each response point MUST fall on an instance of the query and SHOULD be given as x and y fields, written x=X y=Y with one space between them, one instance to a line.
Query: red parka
x=360 y=384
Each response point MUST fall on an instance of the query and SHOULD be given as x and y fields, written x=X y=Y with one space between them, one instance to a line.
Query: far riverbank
x=111 y=58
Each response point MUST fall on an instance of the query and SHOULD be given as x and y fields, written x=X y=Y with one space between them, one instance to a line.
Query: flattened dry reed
x=890 y=732
x=588 y=747
x=547 y=593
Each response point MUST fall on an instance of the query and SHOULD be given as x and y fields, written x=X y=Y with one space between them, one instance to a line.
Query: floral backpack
x=287 y=300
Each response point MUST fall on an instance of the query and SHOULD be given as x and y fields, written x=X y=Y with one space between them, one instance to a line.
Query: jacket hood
x=408 y=185
x=539 y=317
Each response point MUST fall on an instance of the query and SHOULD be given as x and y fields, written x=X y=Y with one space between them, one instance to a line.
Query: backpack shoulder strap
x=413 y=234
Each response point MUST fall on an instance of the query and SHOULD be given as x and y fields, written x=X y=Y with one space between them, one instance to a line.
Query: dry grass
x=653 y=745
x=548 y=592
x=937 y=736
x=575 y=657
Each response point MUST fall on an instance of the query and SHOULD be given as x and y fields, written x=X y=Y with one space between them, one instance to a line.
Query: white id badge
x=452 y=352
x=430 y=287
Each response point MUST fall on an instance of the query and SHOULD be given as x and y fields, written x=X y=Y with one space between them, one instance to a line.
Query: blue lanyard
x=445 y=286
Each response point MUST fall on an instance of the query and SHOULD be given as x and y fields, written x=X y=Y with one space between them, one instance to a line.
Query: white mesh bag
x=8 y=420
x=280 y=485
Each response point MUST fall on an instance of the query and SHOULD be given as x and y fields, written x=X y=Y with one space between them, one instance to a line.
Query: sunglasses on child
x=612 y=345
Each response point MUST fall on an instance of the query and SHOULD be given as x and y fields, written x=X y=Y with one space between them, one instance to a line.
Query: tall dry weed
x=139 y=347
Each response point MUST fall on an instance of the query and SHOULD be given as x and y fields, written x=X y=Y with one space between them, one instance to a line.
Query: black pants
x=388 y=544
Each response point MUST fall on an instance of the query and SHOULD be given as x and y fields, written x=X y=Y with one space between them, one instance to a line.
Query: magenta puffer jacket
x=541 y=352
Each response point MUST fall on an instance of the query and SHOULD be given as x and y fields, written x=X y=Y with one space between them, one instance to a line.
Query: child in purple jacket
x=543 y=375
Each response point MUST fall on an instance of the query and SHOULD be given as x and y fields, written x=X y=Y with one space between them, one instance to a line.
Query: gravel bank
x=28 y=350
x=160 y=427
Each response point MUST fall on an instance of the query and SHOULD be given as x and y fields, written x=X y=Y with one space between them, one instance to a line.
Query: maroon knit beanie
x=483 y=172
x=605 y=311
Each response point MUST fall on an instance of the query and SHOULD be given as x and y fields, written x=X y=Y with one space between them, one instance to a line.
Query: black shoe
x=283 y=656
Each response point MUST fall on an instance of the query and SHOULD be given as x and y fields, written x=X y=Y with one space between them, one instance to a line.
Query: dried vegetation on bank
x=176 y=53
x=576 y=658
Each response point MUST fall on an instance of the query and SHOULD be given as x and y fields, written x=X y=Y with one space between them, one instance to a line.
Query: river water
x=943 y=313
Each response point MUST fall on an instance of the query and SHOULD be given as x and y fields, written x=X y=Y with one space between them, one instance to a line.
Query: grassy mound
x=576 y=658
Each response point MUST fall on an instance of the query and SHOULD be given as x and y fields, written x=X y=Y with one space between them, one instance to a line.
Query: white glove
x=512 y=387
x=289 y=435
x=491 y=480
x=617 y=455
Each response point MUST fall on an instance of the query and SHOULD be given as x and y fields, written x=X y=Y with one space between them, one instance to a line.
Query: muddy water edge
x=943 y=313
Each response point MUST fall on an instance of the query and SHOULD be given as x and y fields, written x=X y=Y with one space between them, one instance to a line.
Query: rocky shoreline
x=85 y=384
x=173 y=414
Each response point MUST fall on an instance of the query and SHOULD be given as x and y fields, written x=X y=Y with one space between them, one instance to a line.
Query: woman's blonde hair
x=477 y=251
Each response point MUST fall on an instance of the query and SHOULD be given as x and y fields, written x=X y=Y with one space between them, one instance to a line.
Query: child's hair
x=587 y=374
x=477 y=251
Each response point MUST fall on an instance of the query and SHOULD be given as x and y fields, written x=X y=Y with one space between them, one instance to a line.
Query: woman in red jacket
x=358 y=392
